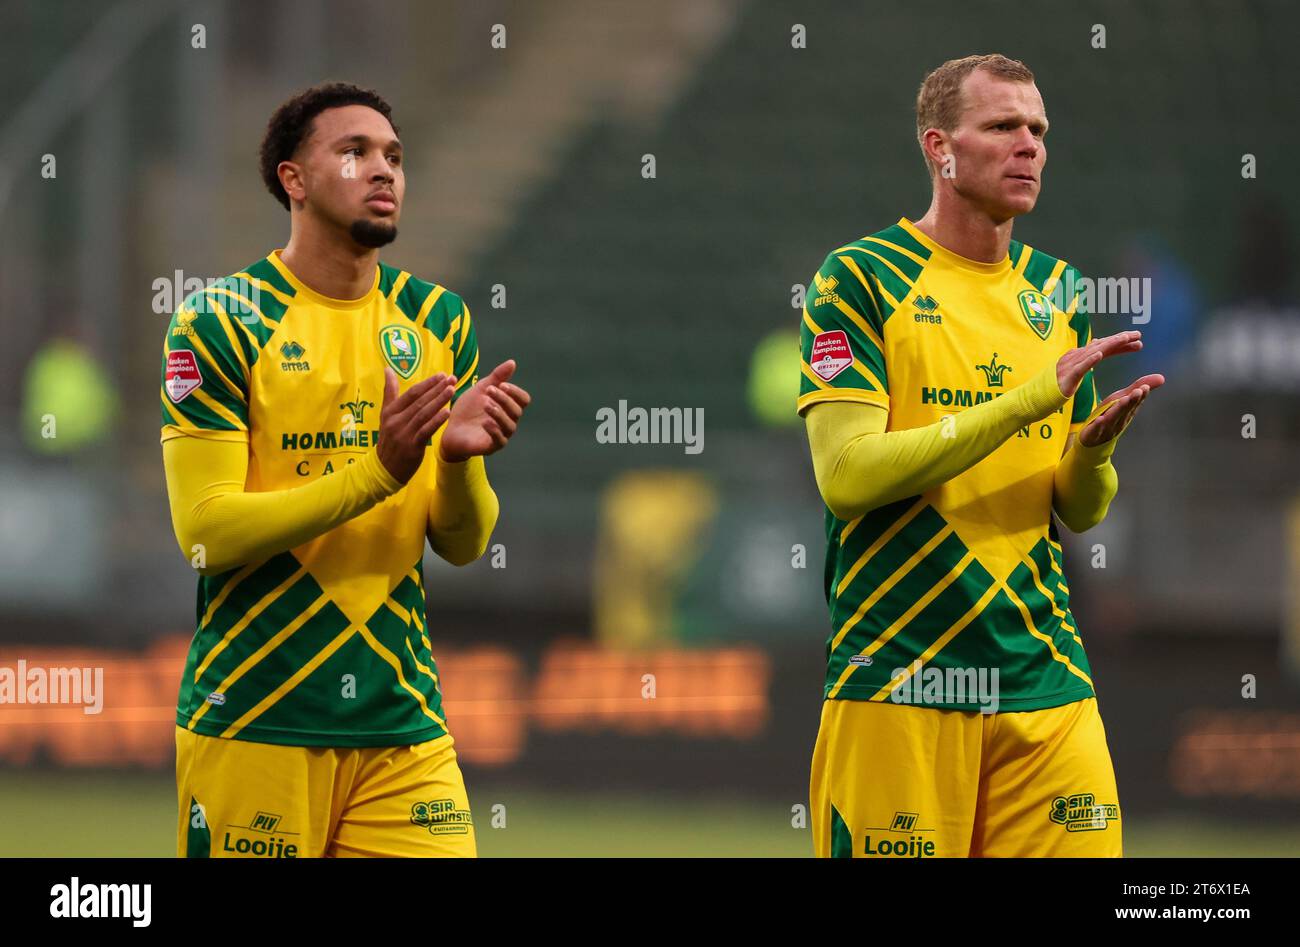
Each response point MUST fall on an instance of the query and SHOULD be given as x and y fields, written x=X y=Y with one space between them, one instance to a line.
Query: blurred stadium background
x=526 y=187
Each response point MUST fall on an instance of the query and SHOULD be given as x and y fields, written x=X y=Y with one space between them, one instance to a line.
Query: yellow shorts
x=902 y=781
x=240 y=799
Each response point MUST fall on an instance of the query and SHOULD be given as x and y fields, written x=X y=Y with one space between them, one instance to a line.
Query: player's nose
x=1026 y=143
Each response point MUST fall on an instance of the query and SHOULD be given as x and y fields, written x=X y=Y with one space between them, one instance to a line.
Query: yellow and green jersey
x=967 y=575
x=325 y=644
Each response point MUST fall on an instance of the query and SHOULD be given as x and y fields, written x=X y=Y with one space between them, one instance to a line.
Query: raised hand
x=407 y=423
x=484 y=418
x=1119 y=409
x=1076 y=363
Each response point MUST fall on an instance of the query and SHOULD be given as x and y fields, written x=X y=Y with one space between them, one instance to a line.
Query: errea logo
x=184 y=322
x=825 y=290
x=293 y=358
x=927 y=310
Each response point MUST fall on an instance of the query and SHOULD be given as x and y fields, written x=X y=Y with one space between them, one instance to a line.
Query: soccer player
x=322 y=415
x=947 y=390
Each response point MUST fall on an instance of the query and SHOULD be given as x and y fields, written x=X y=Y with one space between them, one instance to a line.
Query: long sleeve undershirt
x=1085 y=482
x=213 y=514
x=463 y=511
x=860 y=466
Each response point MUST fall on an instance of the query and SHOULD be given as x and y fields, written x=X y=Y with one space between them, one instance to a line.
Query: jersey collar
x=305 y=293
x=946 y=255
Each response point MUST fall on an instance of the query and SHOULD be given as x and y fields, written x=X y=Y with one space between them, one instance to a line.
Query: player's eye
x=396 y=159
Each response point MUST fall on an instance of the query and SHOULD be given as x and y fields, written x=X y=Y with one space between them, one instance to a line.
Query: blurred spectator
x=69 y=402
x=774 y=378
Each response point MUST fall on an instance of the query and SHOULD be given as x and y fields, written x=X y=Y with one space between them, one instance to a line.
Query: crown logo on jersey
x=355 y=412
x=926 y=303
x=993 y=372
x=357 y=408
x=401 y=348
x=1037 y=310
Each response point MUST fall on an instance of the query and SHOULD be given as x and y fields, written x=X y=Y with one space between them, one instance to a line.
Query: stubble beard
x=372 y=233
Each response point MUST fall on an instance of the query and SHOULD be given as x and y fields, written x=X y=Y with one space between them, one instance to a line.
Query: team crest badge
x=1038 y=312
x=401 y=348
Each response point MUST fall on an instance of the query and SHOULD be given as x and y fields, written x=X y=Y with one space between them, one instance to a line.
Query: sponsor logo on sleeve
x=830 y=354
x=182 y=375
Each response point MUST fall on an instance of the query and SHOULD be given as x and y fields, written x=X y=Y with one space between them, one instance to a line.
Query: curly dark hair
x=291 y=123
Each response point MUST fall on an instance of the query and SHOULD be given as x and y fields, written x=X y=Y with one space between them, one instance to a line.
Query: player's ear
x=291 y=180
x=935 y=144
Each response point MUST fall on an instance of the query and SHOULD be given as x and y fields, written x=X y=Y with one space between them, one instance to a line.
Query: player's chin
x=1014 y=205
x=1020 y=197
x=372 y=231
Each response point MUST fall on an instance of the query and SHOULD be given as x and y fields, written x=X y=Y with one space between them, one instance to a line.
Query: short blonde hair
x=939 y=102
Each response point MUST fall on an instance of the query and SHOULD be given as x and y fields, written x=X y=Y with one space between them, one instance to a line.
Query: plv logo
x=182 y=375
x=264 y=822
x=830 y=354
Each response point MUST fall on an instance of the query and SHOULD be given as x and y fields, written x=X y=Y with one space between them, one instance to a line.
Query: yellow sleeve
x=1085 y=481
x=859 y=466
x=211 y=509
x=463 y=511
x=1084 y=484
